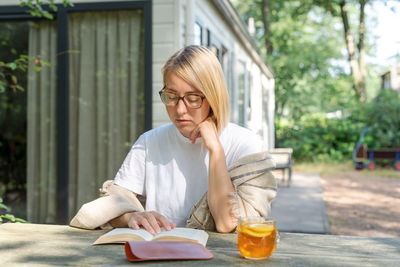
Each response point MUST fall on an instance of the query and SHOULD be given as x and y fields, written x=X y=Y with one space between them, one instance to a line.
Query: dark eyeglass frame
x=163 y=90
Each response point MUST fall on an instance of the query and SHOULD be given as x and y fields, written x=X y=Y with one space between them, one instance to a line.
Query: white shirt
x=172 y=173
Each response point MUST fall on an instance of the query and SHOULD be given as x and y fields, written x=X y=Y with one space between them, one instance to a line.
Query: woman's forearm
x=220 y=188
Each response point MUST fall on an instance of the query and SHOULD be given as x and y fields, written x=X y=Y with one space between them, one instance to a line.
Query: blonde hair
x=200 y=68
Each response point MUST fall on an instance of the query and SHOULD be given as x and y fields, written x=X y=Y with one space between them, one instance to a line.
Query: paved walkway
x=300 y=207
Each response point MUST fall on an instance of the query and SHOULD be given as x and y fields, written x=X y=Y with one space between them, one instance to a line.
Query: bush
x=382 y=117
x=317 y=138
x=7 y=217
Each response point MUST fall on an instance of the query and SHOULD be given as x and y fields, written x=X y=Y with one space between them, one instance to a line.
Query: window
x=198 y=34
x=213 y=45
x=226 y=59
x=241 y=93
x=106 y=88
x=249 y=86
x=88 y=103
x=227 y=68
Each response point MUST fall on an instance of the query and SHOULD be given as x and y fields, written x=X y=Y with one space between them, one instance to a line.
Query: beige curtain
x=106 y=105
x=41 y=128
x=106 y=97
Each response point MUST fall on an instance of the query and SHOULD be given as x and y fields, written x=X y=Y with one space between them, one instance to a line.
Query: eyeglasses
x=191 y=100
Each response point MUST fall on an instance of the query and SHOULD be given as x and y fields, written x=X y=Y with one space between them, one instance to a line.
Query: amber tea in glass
x=256 y=237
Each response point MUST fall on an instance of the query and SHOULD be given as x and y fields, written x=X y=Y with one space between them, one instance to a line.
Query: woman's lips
x=183 y=121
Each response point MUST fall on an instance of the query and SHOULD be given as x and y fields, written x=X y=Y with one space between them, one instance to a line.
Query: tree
x=301 y=47
x=266 y=23
x=358 y=65
x=354 y=41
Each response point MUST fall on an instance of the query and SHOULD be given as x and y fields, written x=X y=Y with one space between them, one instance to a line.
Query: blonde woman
x=174 y=165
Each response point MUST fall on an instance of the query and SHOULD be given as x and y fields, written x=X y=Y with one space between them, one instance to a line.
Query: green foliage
x=382 y=117
x=317 y=138
x=312 y=77
x=36 y=7
x=7 y=217
x=8 y=77
x=307 y=58
x=14 y=60
x=9 y=70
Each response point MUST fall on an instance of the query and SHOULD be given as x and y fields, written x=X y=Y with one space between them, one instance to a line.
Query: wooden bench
x=283 y=160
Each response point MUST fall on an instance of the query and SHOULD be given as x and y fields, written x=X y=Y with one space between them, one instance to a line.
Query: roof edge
x=230 y=14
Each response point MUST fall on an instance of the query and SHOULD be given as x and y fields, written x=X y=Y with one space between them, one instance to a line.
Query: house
x=100 y=90
x=391 y=78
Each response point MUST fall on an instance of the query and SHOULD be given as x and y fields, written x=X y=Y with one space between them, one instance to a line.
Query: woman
x=172 y=166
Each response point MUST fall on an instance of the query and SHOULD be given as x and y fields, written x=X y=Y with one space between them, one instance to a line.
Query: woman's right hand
x=150 y=220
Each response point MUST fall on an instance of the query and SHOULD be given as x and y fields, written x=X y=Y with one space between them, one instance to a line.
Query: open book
x=122 y=235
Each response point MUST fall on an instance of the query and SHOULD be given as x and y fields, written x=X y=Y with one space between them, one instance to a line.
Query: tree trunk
x=361 y=50
x=266 y=23
x=358 y=68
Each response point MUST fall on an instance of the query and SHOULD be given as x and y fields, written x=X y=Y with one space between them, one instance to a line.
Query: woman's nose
x=181 y=107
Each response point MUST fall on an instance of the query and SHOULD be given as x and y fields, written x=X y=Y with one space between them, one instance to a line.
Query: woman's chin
x=185 y=131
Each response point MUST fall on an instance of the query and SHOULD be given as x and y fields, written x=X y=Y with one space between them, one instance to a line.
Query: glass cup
x=257 y=237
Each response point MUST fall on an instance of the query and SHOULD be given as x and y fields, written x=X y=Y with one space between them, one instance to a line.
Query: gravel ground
x=362 y=205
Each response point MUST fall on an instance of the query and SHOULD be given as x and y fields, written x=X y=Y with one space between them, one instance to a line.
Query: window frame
x=241 y=69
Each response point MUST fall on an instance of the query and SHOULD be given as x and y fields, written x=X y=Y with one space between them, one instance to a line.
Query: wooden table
x=38 y=244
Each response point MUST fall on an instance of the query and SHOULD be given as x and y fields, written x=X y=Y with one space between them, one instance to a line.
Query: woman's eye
x=193 y=98
x=171 y=96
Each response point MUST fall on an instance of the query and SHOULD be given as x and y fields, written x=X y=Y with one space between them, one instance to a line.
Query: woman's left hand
x=207 y=129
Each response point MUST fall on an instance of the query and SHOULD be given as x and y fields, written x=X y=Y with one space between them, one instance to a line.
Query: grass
x=322 y=167
x=332 y=168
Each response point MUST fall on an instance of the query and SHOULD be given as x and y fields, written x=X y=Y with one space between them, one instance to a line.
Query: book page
x=183 y=234
x=141 y=232
x=122 y=235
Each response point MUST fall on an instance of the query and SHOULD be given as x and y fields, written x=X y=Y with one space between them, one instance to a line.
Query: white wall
x=167 y=39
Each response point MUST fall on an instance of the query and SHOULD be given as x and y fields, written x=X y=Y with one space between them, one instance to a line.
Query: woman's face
x=184 y=118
